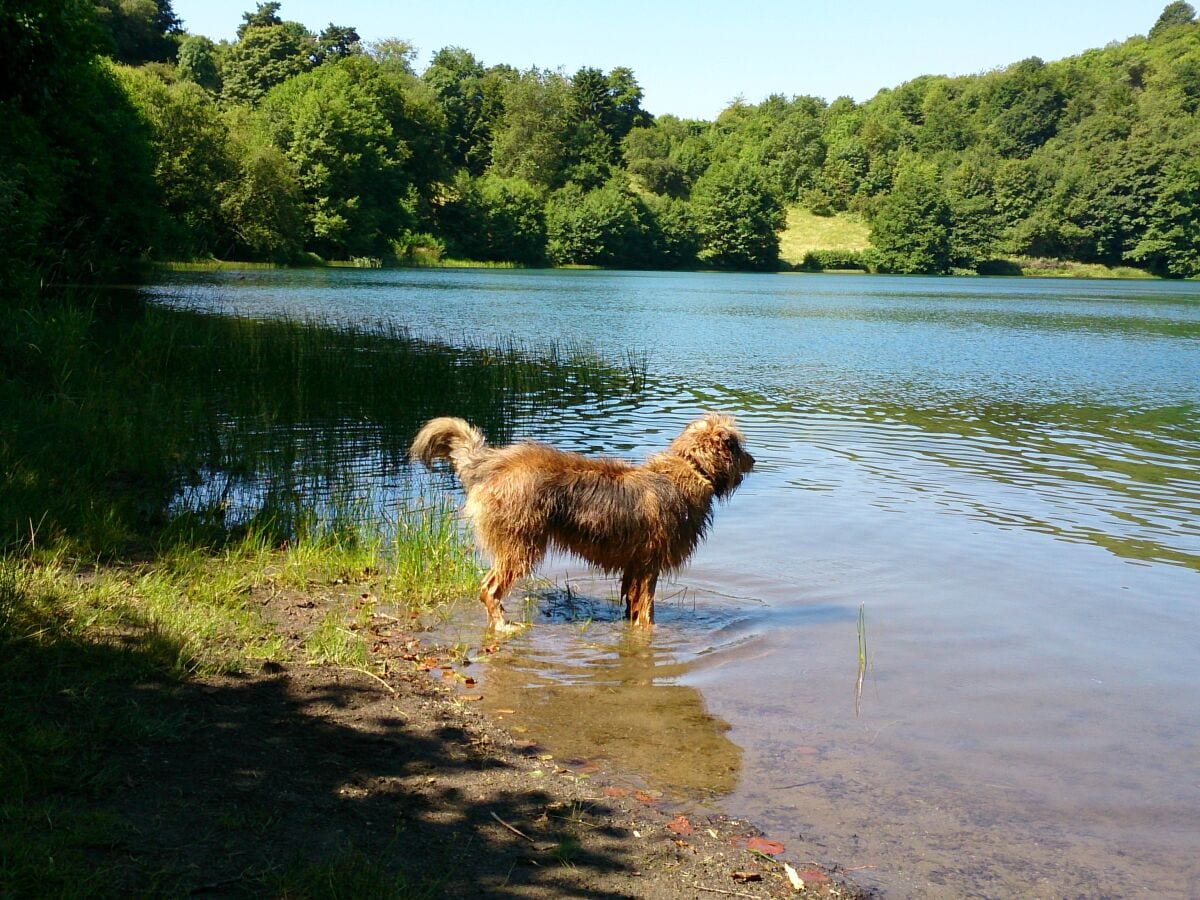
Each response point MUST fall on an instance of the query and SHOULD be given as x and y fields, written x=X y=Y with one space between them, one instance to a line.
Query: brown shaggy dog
x=636 y=520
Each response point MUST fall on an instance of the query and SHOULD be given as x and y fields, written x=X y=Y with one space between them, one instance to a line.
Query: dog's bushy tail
x=448 y=438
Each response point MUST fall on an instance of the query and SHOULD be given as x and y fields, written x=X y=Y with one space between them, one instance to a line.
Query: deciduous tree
x=268 y=52
x=192 y=159
x=737 y=217
x=911 y=230
x=600 y=227
x=1170 y=245
x=197 y=63
x=347 y=129
x=1173 y=15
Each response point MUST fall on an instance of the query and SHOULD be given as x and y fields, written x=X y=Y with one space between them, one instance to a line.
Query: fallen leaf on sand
x=762 y=845
x=814 y=875
x=680 y=825
x=615 y=792
x=644 y=797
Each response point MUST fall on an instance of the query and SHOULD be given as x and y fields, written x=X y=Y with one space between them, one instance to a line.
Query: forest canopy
x=124 y=138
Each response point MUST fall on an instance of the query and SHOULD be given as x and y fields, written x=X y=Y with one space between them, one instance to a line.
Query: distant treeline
x=122 y=137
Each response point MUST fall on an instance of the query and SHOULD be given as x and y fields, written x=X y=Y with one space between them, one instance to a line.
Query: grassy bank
x=840 y=240
x=161 y=472
x=91 y=659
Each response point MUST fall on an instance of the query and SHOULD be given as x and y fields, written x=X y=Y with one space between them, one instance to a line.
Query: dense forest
x=124 y=138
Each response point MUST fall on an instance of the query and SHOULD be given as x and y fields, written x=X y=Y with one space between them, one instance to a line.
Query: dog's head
x=714 y=447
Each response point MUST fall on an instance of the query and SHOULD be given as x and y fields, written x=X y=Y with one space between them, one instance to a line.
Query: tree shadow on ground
x=300 y=782
x=297 y=782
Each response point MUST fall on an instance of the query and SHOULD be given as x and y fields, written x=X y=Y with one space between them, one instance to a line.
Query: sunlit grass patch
x=806 y=232
x=433 y=554
x=334 y=642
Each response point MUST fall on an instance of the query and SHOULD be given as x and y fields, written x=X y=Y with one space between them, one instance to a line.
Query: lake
x=1002 y=477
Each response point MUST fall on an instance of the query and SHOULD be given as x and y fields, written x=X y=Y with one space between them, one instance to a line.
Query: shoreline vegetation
x=289 y=146
x=212 y=646
x=838 y=243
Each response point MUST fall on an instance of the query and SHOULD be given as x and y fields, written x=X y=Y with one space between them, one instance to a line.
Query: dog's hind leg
x=637 y=589
x=506 y=569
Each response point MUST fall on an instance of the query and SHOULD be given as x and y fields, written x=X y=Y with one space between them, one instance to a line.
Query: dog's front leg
x=495 y=585
x=637 y=589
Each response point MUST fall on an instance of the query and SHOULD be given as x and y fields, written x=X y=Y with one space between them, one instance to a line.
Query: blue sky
x=692 y=59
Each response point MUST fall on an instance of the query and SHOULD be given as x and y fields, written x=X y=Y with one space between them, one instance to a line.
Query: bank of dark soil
x=318 y=781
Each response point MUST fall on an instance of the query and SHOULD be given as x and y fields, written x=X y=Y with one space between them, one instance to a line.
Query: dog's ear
x=714 y=446
x=715 y=422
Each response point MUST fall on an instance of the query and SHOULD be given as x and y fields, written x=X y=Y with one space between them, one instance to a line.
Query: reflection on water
x=1069 y=407
x=585 y=686
x=1005 y=475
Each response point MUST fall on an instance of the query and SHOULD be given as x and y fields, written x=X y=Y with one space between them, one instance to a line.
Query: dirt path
x=316 y=781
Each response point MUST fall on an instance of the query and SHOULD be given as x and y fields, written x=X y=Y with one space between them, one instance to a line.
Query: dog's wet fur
x=636 y=520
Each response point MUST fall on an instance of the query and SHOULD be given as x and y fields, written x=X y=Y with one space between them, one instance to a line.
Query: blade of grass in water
x=862 y=657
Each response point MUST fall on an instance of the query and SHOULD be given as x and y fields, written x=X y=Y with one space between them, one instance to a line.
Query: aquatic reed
x=862 y=656
x=131 y=425
x=163 y=471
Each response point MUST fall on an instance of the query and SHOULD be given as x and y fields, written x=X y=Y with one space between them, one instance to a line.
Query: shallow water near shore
x=1003 y=476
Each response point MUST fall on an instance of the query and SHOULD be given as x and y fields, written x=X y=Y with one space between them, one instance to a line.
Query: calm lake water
x=1002 y=475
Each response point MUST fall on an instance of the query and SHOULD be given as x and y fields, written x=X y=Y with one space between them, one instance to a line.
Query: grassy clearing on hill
x=806 y=232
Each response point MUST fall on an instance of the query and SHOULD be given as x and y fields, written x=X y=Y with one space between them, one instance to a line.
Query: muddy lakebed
x=990 y=484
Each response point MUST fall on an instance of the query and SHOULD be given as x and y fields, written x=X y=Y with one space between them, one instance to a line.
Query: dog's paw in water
x=505 y=628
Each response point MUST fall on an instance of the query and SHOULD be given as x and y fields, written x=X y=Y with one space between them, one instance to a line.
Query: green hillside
x=125 y=138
